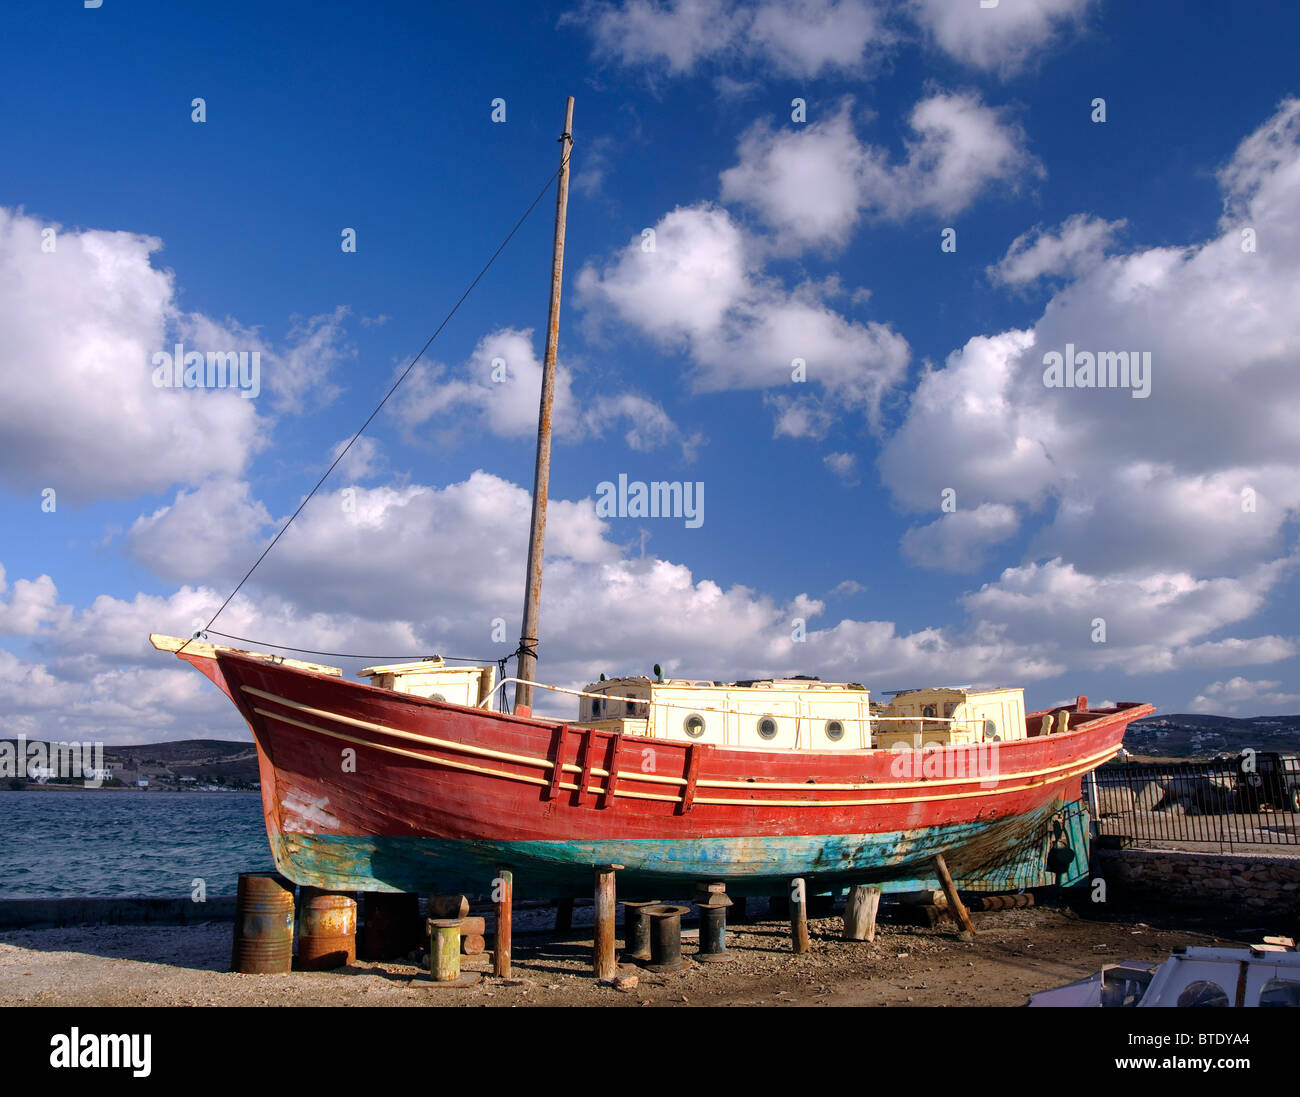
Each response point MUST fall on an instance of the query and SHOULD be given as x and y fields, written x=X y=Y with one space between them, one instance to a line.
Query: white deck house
x=801 y=713
x=789 y=713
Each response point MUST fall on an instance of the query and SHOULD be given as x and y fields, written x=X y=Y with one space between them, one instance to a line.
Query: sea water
x=102 y=843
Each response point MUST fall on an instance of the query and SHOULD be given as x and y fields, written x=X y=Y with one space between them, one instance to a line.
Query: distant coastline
x=33 y=786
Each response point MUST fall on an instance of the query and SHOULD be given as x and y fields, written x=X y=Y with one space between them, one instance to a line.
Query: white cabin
x=953 y=715
x=794 y=713
x=801 y=713
x=789 y=713
x=432 y=678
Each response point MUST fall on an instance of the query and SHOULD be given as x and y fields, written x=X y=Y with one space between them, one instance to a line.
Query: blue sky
x=775 y=239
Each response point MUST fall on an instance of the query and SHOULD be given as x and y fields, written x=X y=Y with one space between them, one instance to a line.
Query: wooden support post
x=955 y=905
x=603 y=958
x=504 y=888
x=564 y=916
x=798 y=915
x=860 y=913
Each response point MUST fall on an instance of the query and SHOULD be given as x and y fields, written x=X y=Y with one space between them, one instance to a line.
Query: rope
x=445 y=320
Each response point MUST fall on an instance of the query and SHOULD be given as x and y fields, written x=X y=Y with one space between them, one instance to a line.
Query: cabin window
x=1203 y=992
x=834 y=730
x=437 y=697
x=693 y=725
x=991 y=732
x=928 y=712
x=767 y=728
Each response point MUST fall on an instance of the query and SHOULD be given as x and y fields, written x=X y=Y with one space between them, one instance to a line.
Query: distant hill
x=207 y=761
x=1196 y=735
x=203 y=759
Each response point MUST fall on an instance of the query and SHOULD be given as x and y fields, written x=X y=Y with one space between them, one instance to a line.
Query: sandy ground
x=1014 y=954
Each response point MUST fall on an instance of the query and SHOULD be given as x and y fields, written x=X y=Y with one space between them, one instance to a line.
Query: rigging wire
x=353 y=654
x=343 y=453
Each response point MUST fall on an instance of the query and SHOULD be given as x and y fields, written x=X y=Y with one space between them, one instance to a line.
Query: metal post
x=636 y=930
x=542 y=470
x=444 y=949
x=666 y=938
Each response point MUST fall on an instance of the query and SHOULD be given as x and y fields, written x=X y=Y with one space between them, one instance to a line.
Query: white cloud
x=364 y=461
x=805 y=182
x=500 y=387
x=808 y=38
x=961 y=148
x=81 y=412
x=811 y=37
x=844 y=466
x=360 y=581
x=1003 y=38
x=648 y=425
x=1080 y=242
x=1239 y=693
x=203 y=534
x=1203 y=476
x=799 y=417
x=1155 y=621
x=31 y=605
x=501 y=382
x=959 y=541
x=300 y=374
x=811 y=184
x=702 y=289
x=793 y=37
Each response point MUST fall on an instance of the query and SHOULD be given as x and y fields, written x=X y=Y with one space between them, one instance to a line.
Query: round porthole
x=834 y=730
x=438 y=697
x=694 y=725
x=767 y=728
x=991 y=732
x=1202 y=993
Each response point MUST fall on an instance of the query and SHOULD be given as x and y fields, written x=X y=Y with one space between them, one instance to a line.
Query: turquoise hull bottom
x=1007 y=855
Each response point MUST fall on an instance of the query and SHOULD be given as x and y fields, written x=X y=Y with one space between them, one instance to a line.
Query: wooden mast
x=542 y=471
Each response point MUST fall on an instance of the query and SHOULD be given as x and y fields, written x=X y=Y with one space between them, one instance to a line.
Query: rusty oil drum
x=328 y=934
x=263 y=942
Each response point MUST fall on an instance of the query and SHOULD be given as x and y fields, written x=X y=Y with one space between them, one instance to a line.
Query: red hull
x=344 y=763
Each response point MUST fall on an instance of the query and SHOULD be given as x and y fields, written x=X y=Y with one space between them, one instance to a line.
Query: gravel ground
x=1014 y=954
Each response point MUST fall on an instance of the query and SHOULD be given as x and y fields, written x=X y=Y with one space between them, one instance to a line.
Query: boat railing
x=919 y=721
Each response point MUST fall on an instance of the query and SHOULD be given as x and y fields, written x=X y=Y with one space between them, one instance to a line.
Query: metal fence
x=1233 y=803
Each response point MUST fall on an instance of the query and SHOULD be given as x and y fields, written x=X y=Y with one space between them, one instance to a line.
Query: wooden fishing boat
x=421 y=782
x=367 y=788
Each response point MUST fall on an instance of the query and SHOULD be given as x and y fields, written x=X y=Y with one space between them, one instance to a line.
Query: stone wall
x=1266 y=884
x=33 y=913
